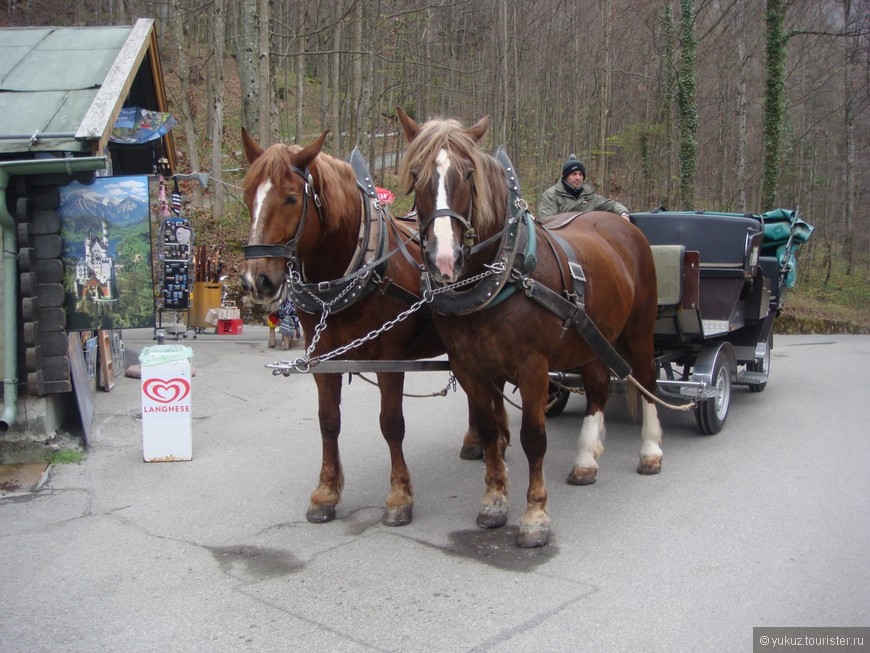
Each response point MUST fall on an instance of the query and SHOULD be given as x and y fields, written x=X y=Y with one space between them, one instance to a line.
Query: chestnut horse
x=308 y=217
x=516 y=298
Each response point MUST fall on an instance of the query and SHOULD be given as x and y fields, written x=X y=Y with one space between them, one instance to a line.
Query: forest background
x=722 y=105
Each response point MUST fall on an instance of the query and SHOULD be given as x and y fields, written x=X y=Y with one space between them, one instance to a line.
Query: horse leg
x=637 y=342
x=400 y=501
x=472 y=448
x=590 y=444
x=651 y=432
x=650 y=441
x=493 y=506
x=327 y=494
x=535 y=522
x=501 y=421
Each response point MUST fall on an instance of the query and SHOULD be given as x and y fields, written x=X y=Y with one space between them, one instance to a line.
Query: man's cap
x=571 y=165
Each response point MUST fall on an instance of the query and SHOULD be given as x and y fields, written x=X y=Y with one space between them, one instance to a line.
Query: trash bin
x=166 y=390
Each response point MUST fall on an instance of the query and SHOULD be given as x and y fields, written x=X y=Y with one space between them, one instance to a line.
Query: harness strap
x=576 y=313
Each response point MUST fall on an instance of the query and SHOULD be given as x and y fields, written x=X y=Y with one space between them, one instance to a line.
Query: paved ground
x=765 y=524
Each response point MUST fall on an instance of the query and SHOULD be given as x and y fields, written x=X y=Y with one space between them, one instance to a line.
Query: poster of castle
x=107 y=254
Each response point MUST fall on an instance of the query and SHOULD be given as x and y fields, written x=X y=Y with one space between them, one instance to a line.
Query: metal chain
x=306 y=362
x=451 y=385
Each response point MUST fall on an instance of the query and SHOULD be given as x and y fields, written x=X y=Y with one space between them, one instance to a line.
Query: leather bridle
x=288 y=249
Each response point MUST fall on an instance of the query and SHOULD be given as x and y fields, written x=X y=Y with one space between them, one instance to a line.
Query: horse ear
x=306 y=156
x=477 y=130
x=252 y=148
x=409 y=125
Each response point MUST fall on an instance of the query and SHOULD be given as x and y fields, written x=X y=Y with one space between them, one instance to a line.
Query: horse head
x=286 y=212
x=444 y=167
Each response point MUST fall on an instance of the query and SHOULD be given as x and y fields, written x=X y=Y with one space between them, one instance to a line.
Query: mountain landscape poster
x=107 y=254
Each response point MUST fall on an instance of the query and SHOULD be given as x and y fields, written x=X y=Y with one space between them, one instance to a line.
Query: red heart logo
x=165 y=391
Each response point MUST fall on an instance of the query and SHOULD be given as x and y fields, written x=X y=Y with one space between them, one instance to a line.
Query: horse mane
x=418 y=167
x=334 y=180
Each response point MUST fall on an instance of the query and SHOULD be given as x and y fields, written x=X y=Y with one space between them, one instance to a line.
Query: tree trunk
x=774 y=102
x=606 y=92
x=301 y=20
x=688 y=108
x=218 y=113
x=356 y=57
x=740 y=164
x=187 y=118
x=248 y=64
x=335 y=75
x=849 y=133
x=267 y=111
x=667 y=104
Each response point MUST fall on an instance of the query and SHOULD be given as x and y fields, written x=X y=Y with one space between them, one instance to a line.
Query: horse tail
x=632 y=402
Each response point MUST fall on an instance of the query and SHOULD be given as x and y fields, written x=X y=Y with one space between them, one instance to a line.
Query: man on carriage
x=571 y=194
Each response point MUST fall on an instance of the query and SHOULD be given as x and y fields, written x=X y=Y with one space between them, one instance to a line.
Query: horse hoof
x=397 y=516
x=492 y=516
x=320 y=514
x=471 y=452
x=530 y=537
x=582 y=476
x=650 y=466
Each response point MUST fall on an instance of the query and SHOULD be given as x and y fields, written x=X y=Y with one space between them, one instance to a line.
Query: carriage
x=722 y=281
x=580 y=298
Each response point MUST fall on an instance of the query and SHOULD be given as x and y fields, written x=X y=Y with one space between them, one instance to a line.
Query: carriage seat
x=668 y=261
x=721 y=239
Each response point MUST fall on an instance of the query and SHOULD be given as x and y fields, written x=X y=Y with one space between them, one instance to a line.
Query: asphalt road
x=764 y=524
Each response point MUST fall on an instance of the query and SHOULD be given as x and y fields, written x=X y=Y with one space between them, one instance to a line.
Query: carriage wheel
x=761 y=365
x=712 y=413
x=557 y=399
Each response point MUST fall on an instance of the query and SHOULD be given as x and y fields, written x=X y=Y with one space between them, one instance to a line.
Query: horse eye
x=291 y=199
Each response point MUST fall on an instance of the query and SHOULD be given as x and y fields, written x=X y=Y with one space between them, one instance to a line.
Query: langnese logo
x=165 y=391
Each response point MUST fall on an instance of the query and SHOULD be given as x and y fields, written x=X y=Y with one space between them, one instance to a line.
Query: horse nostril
x=265 y=285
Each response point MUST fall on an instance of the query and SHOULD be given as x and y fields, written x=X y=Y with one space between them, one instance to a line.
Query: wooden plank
x=53 y=343
x=45 y=197
x=96 y=125
x=107 y=365
x=52 y=319
x=48 y=246
x=56 y=368
x=361 y=366
x=57 y=387
x=691 y=280
x=49 y=270
x=46 y=221
x=50 y=295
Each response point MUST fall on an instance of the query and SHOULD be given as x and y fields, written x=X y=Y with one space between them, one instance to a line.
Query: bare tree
x=774 y=100
x=187 y=116
x=217 y=85
x=687 y=108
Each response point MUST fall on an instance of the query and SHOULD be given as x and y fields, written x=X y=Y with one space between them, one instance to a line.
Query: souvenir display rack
x=174 y=262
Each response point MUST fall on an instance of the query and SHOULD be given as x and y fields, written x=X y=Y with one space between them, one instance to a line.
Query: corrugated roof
x=68 y=84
